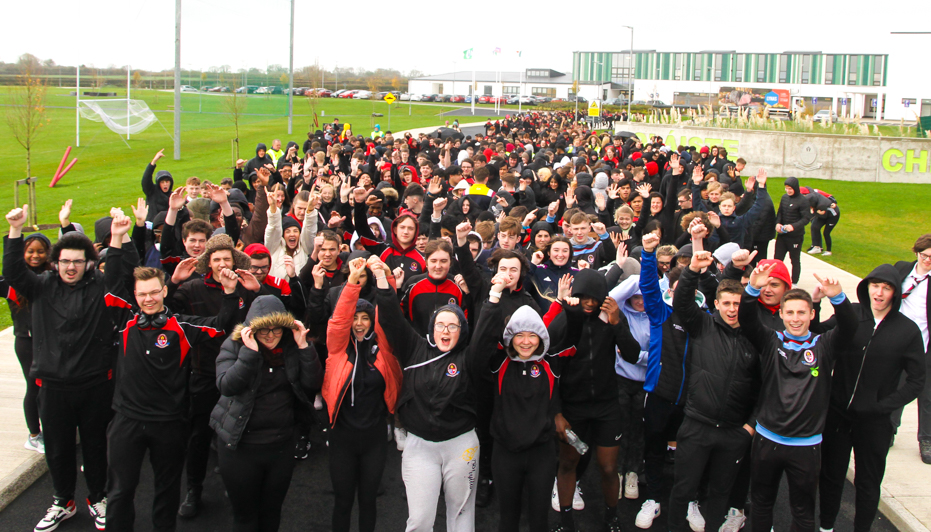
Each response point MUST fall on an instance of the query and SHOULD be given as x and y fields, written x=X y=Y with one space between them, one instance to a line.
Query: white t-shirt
x=915 y=306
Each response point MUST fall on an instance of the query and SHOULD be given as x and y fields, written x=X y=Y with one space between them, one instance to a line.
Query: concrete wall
x=840 y=157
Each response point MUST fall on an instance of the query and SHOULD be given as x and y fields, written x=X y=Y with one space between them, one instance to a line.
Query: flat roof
x=490 y=76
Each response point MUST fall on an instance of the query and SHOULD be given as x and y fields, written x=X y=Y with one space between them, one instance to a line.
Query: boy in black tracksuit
x=793 y=215
x=588 y=391
x=723 y=386
x=865 y=390
x=151 y=395
x=796 y=366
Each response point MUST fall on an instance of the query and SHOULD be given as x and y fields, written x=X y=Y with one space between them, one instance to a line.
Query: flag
x=467 y=54
x=496 y=51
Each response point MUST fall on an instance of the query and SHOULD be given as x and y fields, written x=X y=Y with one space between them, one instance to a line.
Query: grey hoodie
x=526 y=319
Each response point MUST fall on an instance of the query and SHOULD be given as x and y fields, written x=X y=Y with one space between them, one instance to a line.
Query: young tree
x=235 y=106
x=26 y=113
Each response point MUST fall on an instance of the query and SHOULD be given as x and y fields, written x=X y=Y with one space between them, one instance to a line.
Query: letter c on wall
x=890 y=166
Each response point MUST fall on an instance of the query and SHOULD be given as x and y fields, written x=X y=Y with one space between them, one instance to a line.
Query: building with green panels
x=851 y=84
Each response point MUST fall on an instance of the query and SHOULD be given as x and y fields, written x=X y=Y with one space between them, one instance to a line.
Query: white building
x=533 y=81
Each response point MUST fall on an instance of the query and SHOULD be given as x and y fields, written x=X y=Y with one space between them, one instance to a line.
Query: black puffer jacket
x=240 y=370
x=868 y=370
x=794 y=210
x=724 y=379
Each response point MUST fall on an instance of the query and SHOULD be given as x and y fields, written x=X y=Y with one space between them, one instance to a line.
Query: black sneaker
x=302 y=448
x=485 y=491
x=924 y=447
x=614 y=525
x=190 y=507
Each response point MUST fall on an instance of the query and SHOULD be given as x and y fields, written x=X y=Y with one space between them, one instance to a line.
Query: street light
x=630 y=71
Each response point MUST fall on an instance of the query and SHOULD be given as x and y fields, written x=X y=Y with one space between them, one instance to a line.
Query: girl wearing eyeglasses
x=265 y=368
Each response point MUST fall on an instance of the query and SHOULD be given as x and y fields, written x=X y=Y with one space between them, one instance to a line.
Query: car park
x=188 y=88
x=362 y=95
x=348 y=94
x=824 y=115
x=404 y=97
x=456 y=98
x=416 y=97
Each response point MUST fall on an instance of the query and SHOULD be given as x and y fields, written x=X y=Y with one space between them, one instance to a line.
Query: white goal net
x=118 y=115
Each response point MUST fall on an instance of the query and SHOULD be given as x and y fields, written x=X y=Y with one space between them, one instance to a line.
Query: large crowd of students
x=504 y=307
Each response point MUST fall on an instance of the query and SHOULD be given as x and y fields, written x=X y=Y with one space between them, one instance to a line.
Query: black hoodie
x=257 y=162
x=868 y=372
x=794 y=210
x=154 y=197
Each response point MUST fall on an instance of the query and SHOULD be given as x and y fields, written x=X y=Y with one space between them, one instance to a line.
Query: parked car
x=444 y=98
x=263 y=90
x=416 y=97
x=468 y=99
x=319 y=93
x=484 y=99
x=404 y=97
x=188 y=88
x=219 y=89
x=456 y=98
x=247 y=89
x=205 y=88
x=824 y=115
x=339 y=93
x=527 y=100
x=513 y=100
x=362 y=95
x=348 y=94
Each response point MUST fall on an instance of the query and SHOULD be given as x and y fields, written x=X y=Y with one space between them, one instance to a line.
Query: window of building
x=739 y=68
x=696 y=76
x=538 y=73
x=806 y=68
x=512 y=89
x=488 y=89
x=783 y=64
x=829 y=70
x=718 y=58
x=877 y=70
x=852 y=70
x=760 y=68
x=680 y=58
x=658 y=60
x=543 y=91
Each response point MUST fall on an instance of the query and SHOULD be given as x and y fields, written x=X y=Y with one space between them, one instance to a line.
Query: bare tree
x=26 y=113
x=235 y=106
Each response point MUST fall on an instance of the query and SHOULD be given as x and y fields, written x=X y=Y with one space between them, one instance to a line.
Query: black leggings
x=792 y=246
x=23 y=347
x=357 y=462
x=828 y=224
x=532 y=469
x=257 y=478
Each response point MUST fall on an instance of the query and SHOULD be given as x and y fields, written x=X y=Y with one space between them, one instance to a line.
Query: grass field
x=879 y=222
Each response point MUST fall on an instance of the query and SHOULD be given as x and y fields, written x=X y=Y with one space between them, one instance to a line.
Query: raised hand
x=742 y=258
x=398 y=276
x=499 y=282
x=462 y=231
x=610 y=308
x=760 y=275
x=17 y=217
x=570 y=198
x=263 y=176
x=830 y=286
x=761 y=177
x=701 y=260
x=120 y=225
x=228 y=280
x=356 y=269
x=697 y=229
x=613 y=191
x=438 y=205
x=359 y=194
x=288 y=263
x=300 y=335
x=159 y=155
x=599 y=228
x=461 y=283
x=177 y=198
x=64 y=215
x=644 y=190
x=319 y=274
x=528 y=219
x=184 y=270
x=649 y=242
x=140 y=211
x=436 y=186
x=674 y=161
x=714 y=218
x=564 y=287
x=537 y=257
x=335 y=220
x=215 y=193
x=750 y=184
x=621 y=252
x=600 y=202
x=552 y=208
x=584 y=265
x=697 y=174
x=248 y=281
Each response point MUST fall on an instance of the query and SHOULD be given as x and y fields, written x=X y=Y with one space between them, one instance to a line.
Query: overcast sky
x=431 y=36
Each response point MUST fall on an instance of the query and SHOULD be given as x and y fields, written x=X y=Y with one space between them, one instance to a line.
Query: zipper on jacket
x=862 y=363
x=685 y=355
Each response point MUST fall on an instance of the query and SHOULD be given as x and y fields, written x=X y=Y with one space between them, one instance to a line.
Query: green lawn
x=108 y=172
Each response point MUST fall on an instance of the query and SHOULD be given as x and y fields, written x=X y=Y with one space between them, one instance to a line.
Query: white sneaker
x=631 y=486
x=35 y=443
x=55 y=515
x=696 y=521
x=577 y=502
x=814 y=250
x=827 y=254
x=400 y=438
x=826 y=529
x=555 y=498
x=648 y=512
x=734 y=521
x=99 y=512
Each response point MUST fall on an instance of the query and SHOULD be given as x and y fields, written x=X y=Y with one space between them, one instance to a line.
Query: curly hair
x=74 y=240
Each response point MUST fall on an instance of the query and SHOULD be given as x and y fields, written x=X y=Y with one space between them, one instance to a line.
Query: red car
x=320 y=93
x=457 y=99
x=348 y=94
x=485 y=99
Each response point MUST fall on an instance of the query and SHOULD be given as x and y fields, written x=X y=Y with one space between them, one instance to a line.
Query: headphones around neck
x=156 y=321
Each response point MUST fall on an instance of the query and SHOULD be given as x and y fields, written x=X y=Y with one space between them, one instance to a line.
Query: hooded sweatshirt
x=793 y=210
x=639 y=324
x=154 y=197
x=867 y=374
x=257 y=162
x=391 y=252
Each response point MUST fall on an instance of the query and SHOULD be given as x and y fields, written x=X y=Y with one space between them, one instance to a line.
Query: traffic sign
x=874 y=101
x=594 y=108
x=390 y=98
x=906 y=102
x=814 y=100
x=843 y=101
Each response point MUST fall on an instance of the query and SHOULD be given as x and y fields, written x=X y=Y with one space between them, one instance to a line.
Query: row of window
x=828 y=69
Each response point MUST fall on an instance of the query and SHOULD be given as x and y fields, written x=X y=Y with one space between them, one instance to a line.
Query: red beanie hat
x=779 y=271
x=636 y=155
x=704 y=149
x=252 y=249
x=652 y=168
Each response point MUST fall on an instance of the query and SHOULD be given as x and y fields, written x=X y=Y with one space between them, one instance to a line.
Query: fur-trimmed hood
x=220 y=242
x=266 y=312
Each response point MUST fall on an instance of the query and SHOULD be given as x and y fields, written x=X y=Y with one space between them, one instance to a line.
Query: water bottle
x=574 y=441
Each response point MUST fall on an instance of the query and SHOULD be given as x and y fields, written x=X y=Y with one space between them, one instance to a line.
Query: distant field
x=879 y=222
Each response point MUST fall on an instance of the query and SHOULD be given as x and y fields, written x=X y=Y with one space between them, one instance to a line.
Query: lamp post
x=630 y=71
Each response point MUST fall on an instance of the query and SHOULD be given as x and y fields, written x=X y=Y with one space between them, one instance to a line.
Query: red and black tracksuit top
x=408 y=259
x=153 y=363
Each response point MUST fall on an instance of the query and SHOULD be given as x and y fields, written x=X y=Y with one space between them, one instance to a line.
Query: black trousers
x=712 y=452
x=741 y=487
x=198 y=447
x=801 y=465
x=128 y=440
x=869 y=438
x=357 y=463
x=23 y=347
x=661 y=421
x=792 y=245
x=762 y=248
x=257 y=478
x=817 y=223
x=631 y=395
x=62 y=413
x=484 y=406
x=532 y=470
